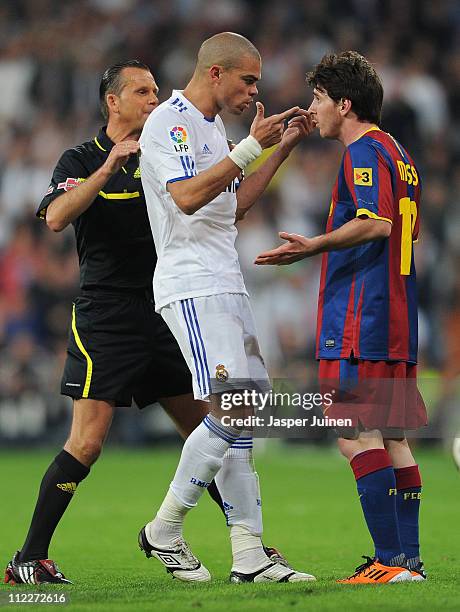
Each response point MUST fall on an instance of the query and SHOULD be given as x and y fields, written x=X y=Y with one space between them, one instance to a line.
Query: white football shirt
x=196 y=253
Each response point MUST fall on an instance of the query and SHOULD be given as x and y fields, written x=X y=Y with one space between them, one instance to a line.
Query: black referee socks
x=56 y=491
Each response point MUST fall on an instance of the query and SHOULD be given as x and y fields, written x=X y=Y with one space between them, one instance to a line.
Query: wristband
x=245 y=152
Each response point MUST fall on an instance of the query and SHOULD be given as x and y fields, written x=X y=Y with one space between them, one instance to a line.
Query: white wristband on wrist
x=245 y=152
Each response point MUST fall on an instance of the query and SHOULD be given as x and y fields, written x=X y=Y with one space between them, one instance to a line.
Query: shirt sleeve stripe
x=368 y=213
x=179 y=178
x=183 y=165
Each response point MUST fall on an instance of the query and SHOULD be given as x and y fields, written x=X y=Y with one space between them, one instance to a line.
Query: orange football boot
x=374 y=572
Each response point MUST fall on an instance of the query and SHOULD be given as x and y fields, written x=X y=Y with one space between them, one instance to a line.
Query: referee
x=119 y=349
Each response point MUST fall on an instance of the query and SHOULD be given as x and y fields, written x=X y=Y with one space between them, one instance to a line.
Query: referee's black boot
x=33 y=572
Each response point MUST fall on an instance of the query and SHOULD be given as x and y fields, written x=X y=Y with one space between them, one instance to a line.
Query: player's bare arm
x=71 y=204
x=196 y=192
x=254 y=185
x=355 y=232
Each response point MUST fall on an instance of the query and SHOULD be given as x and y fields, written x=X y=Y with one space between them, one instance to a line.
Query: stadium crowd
x=52 y=55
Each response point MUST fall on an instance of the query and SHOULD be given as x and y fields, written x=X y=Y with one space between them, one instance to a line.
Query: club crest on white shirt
x=221 y=373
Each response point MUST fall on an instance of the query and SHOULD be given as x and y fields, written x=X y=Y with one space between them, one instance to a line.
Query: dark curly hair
x=350 y=76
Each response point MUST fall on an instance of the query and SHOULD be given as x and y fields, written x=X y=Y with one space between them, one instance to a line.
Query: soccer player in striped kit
x=194 y=194
x=367 y=311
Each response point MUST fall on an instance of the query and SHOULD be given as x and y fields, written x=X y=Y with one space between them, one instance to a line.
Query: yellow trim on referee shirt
x=99 y=145
x=125 y=195
x=89 y=361
x=105 y=150
x=368 y=213
x=119 y=196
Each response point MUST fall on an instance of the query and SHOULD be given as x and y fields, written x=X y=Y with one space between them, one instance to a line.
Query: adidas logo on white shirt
x=206 y=150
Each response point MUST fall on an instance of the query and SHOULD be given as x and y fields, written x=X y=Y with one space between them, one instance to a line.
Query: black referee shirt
x=114 y=242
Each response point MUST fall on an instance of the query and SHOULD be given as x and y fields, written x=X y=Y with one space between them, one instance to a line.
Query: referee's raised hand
x=119 y=155
x=268 y=131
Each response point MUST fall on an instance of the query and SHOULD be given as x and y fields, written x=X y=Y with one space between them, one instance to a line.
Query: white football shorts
x=218 y=339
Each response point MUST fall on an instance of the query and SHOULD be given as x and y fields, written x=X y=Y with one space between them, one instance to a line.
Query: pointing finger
x=287 y=113
x=303 y=112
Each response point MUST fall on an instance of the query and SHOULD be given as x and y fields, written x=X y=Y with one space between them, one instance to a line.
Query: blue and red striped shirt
x=367 y=299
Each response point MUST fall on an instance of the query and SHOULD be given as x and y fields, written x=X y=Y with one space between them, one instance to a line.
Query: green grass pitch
x=311 y=512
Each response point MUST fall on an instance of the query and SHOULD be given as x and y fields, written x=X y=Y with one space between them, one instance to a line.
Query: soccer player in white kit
x=194 y=194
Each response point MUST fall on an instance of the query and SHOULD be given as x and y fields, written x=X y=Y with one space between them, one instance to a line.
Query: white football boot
x=178 y=559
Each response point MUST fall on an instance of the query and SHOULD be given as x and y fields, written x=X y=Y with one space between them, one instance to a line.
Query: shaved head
x=226 y=49
x=226 y=74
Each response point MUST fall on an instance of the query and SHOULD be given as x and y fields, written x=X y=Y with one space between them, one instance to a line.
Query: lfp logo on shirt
x=178 y=135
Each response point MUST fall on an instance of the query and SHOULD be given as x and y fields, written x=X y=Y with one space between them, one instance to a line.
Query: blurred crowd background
x=52 y=55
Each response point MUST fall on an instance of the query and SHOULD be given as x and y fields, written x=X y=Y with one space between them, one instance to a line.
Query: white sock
x=201 y=458
x=238 y=484
x=167 y=525
x=247 y=550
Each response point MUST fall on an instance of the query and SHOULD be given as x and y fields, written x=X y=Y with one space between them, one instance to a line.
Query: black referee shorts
x=121 y=350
